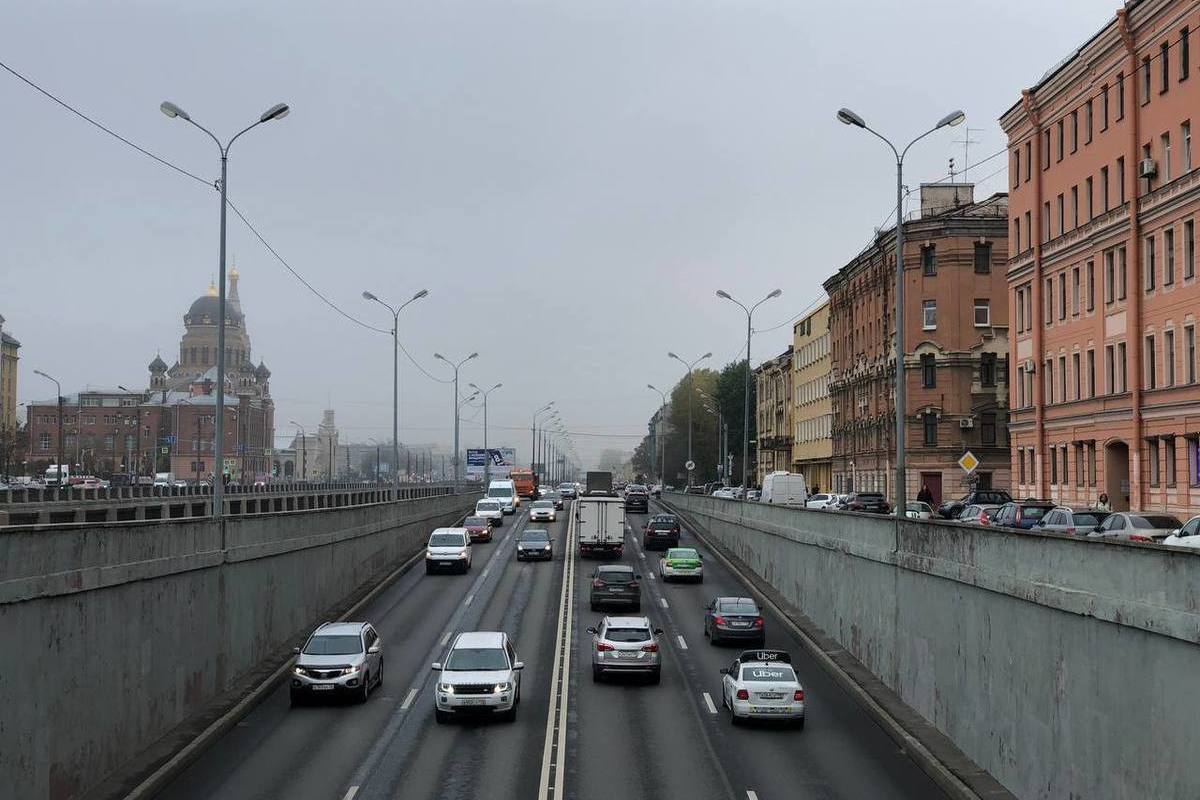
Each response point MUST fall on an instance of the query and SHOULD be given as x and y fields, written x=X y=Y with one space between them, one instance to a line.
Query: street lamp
x=746 y=399
x=848 y=117
x=533 y=435
x=277 y=111
x=303 y=449
x=396 y=367
x=691 y=389
x=487 y=454
x=456 y=366
x=658 y=437
x=58 y=388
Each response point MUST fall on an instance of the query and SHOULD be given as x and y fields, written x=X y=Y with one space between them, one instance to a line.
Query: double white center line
x=554 y=751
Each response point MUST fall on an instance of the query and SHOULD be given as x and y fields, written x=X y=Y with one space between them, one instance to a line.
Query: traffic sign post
x=691 y=465
x=968 y=462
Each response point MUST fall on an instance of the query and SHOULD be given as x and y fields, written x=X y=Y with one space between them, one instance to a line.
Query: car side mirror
x=373 y=649
x=592 y=629
x=436 y=666
x=658 y=631
x=518 y=665
x=637 y=577
x=724 y=670
x=295 y=651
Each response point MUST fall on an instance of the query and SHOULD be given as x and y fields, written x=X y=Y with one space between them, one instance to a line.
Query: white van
x=506 y=492
x=784 y=489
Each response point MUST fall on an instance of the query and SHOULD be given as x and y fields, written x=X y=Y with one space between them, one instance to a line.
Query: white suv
x=481 y=674
x=339 y=658
x=448 y=548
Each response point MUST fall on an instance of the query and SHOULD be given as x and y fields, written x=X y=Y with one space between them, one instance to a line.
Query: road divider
x=554 y=751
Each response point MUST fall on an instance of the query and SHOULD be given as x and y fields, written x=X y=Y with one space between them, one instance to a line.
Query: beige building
x=773 y=398
x=812 y=412
x=8 y=380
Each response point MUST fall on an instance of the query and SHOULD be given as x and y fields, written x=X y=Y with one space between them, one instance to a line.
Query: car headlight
x=446 y=687
x=299 y=671
x=501 y=688
x=350 y=670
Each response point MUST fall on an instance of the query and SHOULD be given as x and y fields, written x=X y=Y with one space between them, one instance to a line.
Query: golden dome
x=212 y=289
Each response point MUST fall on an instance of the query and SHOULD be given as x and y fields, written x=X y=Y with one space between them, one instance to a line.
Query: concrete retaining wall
x=1065 y=668
x=111 y=635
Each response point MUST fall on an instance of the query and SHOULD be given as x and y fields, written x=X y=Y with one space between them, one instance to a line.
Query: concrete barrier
x=1063 y=667
x=115 y=634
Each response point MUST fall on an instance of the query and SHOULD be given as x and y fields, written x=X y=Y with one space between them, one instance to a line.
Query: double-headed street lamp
x=62 y=481
x=533 y=435
x=455 y=366
x=848 y=117
x=746 y=399
x=396 y=368
x=691 y=388
x=487 y=454
x=659 y=439
x=277 y=111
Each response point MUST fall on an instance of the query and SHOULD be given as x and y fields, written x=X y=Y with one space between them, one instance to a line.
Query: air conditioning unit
x=1028 y=365
x=969 y=422
x=1147 y=168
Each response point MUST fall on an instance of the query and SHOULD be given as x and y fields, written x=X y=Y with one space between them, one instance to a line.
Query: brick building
x=773 y=398
x=1102 y=278
x=8 y=400
x=956 y=349
x=812 y=414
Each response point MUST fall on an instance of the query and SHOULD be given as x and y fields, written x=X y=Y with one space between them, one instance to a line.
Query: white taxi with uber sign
x=761 y=684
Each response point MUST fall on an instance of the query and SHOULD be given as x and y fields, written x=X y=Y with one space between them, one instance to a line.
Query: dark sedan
x=977 y=497
x=1022 y=514
x=615 y=584
x=869 y=502
x=661 y=532
x=734 y=619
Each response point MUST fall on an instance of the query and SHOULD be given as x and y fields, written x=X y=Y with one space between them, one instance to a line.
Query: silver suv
x=626 y=645
x=339 y=658
x=481 y=674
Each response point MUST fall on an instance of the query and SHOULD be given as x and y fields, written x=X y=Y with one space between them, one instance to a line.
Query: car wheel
x=379 y=678
x=511 y=714
x=714 y=639
x=441 y=717
x=699 y=579
x=595 y=607
x=734 y=720
x=656 y=676
x=428 y=569
x=596 y=674
x=800 y=724
x=637 y=606
x=365 y=691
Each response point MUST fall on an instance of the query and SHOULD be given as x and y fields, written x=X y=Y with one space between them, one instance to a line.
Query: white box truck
x=601 y=525
x=784 y=489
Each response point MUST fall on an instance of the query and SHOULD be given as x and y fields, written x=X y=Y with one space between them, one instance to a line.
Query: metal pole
x=746 y=412
x=901 y=387
x=60 y=434
x=219 y=445
x=455 y=460
x=487 y=454
x=396 y=392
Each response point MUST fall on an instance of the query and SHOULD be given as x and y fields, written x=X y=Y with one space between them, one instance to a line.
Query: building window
x=1062 y=295
x=1168 y=358
x=1078 y=463
x=1089 y=187
x=1091 y=373
x=1151 y=372
x=109 y=441
x=1021 y=466
x=1104 y=188
x=1151 y=264
x=1168 y=256
x=1184 y=55
x=983 y=258
x=1074 y=206
x=1122 y=371
x=44 y=441
x=1087 y=122
x=1048 y=381
x=928 y=371
x=987 y=428
x=1110 y=373
x=1059 y=207
x=1074 y=131
x=1110 y=276
x=1048 y=302
x=1059 y=138
x=928 y=260
x=983 y=312
x=1064 y=476
x=929 y=315
x=1091 y=286
x=1028 y=229
x=1053 y=454
x=987 y=370
x=1120 y=95
x=1185 y=139
x=1121 y=181
x=1016 y=179
x=1153 y=459
x=1164 y=68
x=1075 y=292
x=1028 y=161
x=931 y=426
x=1189 y=249
x=1193 y=445
x=1165 y=144
x=1145 y=80
x=1017 y=234
x=1077 y=375
x=1189 y=353
x=1104 y=107
x=1046 y=149
x=1062 y=379
x=1121 y=272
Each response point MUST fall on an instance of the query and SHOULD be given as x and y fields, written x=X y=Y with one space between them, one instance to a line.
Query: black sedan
x=734 y=619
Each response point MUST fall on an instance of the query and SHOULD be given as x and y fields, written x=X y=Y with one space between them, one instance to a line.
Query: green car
x=681 y=562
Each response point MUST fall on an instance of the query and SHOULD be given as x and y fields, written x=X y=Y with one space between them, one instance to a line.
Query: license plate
x=768 y=710
x=323 y=687
x=472 y=701
x=624 y=654
x=616 y=591
x=735 y=624
x=446 y=563
x=770 y=696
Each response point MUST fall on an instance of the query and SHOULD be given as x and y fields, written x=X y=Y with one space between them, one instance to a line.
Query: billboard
x=502 y=460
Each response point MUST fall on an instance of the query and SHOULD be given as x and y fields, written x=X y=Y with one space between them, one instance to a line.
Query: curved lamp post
x=746 y=400
x=396 y=368
x=691 y=391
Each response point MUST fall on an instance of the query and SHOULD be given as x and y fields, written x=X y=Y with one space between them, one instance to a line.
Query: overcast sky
x=571 y=181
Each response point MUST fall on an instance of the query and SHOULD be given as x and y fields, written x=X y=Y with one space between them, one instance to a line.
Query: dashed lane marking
x=469 y=599
x=663 y=602
x=412 y=693
x=682 y=643
x=708 y=701
x=751 y=794
x=445 y=639
x=651 y=576
x=353 y=790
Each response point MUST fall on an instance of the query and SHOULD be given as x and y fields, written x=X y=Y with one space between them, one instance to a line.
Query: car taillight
x=718 y=620
x=650 y=648
x=597 y=584
x=758 y=622
x=1071 y=531
x=742 y=694
x=798 y=696
x=601 y=647
x=1136 y=538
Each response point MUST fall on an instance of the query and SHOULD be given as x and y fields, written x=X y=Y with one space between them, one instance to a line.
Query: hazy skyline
x=571 y=182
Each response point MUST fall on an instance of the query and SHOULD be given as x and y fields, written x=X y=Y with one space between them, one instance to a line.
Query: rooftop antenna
x=966 y=142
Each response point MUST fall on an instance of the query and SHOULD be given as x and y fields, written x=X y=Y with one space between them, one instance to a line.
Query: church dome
x=158 y=365
x=262 y=372
x=209 y=306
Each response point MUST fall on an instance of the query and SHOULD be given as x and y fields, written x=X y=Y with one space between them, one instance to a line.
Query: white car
x=761 y=684
x=819 y=501
x=481 y=675
x=1186 y=536
x=542 y=511
x=491 y=510
x=915 y=509
x=724 y=494
x=448 y=549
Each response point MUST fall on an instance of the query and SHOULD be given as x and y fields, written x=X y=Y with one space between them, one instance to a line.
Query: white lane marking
x=467 y=602
x=682 y=643
x=751 y=794
x=412 y=693
x=708 y=701
x=651 y=576
x=353 y=790
x=486 y=571
x=642 y=556
x=663 y=602
x=554 y=751
x=445 y=639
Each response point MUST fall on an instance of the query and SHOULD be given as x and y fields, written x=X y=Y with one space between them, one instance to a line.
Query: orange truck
x=524 y=481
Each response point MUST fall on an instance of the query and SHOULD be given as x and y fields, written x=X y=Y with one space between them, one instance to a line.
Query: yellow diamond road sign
x=968 y=462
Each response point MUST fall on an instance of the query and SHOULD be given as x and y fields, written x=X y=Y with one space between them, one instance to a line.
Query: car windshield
x=662 y=525
x=543 y=504
x=500 y=491
x=535 y=536
x=1153 y=521
x=469 y=659
x=916 y=507
x=615 y=575
x=768 y=672
x=487 y=506
x=1035 y=512
x=683 y=553
x=475 y=522
x=446 y=540
x=627 y=634
x=333 y=645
